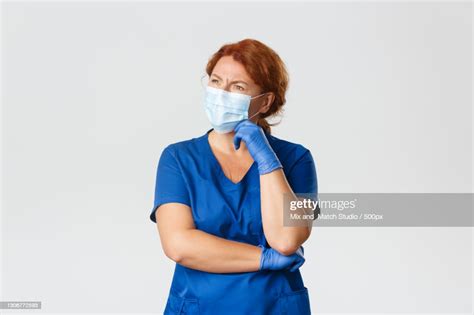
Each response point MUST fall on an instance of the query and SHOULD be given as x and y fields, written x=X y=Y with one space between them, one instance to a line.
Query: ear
x=269 y=99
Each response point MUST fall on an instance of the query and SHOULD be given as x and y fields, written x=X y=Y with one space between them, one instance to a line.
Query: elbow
x=173 y=254
x=289 y=244
x=284 y=246
x=173 y=247
x=286 y=249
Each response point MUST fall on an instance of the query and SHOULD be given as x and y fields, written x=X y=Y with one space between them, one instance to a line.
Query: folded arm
x=274 y=186
x=285 y=239
x=196 y=249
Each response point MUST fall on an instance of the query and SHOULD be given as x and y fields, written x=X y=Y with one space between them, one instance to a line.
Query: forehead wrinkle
x=235 y=81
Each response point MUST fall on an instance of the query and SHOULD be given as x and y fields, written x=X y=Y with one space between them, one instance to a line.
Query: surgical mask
x=226 y=109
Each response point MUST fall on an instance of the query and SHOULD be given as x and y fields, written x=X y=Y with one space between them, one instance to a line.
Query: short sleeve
x=170 y=185
x=302 y=176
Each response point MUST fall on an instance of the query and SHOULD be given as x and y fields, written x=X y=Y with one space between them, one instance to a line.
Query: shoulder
x=183 y=148
x=298 y=164
x=290 y=151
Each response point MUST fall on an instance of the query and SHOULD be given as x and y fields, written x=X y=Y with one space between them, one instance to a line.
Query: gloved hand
x=258 y=146
x=273 y=260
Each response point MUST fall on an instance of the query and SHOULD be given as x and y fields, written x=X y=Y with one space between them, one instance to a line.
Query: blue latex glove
x=258 y=146
x=273 y=260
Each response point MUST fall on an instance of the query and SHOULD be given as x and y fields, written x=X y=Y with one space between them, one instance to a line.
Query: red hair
x=265 y=68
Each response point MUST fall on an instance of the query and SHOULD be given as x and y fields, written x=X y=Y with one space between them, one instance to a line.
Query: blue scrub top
x=189 y=173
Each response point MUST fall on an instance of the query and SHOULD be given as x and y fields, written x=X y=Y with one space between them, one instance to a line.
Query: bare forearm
x=203 y=251
x=285 y=239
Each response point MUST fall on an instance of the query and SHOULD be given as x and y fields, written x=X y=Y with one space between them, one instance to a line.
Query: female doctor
x=219 y=196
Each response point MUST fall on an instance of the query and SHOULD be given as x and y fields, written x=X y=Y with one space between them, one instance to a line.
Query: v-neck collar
x=225 y=180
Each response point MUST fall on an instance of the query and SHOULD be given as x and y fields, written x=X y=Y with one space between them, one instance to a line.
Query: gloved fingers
x=237 y=139
x=298 y=264
x=262 y=257
x=300 y=252
x=247 y=124
x=244 y=123
x=242 y=131
x=237 y=127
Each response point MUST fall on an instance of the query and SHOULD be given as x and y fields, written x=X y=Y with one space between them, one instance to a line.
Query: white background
x=92 y=93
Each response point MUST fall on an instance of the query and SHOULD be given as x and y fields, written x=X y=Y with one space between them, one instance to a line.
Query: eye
x=240 y=88
x=215 y=82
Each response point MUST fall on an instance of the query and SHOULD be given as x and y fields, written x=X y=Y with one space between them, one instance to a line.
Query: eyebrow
x=236 y=81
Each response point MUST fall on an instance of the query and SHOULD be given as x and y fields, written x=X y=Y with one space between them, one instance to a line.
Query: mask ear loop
x=258 y=95
x=258 y=111
x=253 y=115
x=202 y=81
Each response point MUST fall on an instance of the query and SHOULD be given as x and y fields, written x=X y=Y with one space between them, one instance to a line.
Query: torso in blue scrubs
x=189 y=173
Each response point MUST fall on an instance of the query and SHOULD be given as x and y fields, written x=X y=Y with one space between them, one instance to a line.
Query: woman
x=219 y=197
